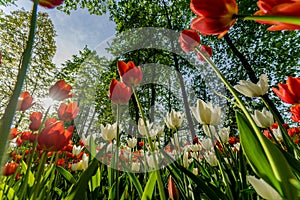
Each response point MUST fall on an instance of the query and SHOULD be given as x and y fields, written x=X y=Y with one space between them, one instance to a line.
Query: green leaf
x=7 y=192
x=78 y=190
x=66 y=174
x=136 y=183
x=211 y=191
x=149 y=188
x=266 y=160
x=31 y=179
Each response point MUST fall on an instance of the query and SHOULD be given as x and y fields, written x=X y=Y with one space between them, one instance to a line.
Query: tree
x=13 y=37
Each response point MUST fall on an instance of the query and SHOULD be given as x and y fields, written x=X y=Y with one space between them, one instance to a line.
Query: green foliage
x=13 y=36
x=96 y=7
x=266 y=160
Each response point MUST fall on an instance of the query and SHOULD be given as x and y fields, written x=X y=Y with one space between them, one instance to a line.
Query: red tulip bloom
x=50 y=3
x=54 y=136
x=119 y=93
x=213 y=18
x=60 y=91
x=13 y=133
x=206 y=50
x=279 y=8
x=295 y=110
x=289 y=92
x=36 y=121
x=25 y=101
x=189 y=40
x=25 y=135
x=129 y=73
x=9 y=168
x=68 y=112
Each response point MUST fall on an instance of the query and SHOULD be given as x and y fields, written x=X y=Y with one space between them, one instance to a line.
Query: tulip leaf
x=78 y=190
x=149 y=188
x=136 y=183
x=7 y=192
x=31 y=178
x=66 y=174
x=210 y=190
x=267 y=161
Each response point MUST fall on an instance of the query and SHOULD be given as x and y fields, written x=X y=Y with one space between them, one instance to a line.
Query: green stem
x=157 y=171
x=117 y=153
x=29 y=164
x=10 y=110
x=269 y=18
x=39 y=175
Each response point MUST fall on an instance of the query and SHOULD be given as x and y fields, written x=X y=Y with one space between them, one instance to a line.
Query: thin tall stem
x=6 y=121
x=157 y=171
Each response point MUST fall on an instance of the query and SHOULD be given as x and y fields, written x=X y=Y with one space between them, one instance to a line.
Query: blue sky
x=74 y=31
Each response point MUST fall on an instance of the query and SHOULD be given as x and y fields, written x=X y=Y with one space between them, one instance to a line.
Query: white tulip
x=174 y=119
x=207 y=144
x=131 y=142
x=76 y=150
x=263 y=119
x=250 y=89
x=142 y=127
x=135 y=166
x=263 y=189
x=206 y=114
x=211 y=158
x=109 y=132
x=223 y=134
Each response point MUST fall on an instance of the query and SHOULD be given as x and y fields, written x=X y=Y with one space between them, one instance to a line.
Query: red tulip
x=129 y=73
x=68 y=112
x=279 y=8
x=25 y=101
x=213 y=18
x=206 y=50
x=172 y=189
x=50 y=3
x=25 y=135
x=9 y=168
x=54 y=136
x=189 y=40
x=119 y=93
x=36 y=121
x=295 y=110
x=289 y=92
x=13 y=133
x=60 y=91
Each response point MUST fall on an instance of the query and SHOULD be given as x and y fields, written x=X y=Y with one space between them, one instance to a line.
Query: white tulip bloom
x=195 y=171
x=263 y=189
x=223 y=134
x=174 y=119
x=250 y=89
x=131 y=142
x=263 y=119
x=76 y=150
x=135 y=166
x=206 y=114
x=211 y=158
x=277 y=133
x=207 y=144
x=109 y=132
x=142 y=127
